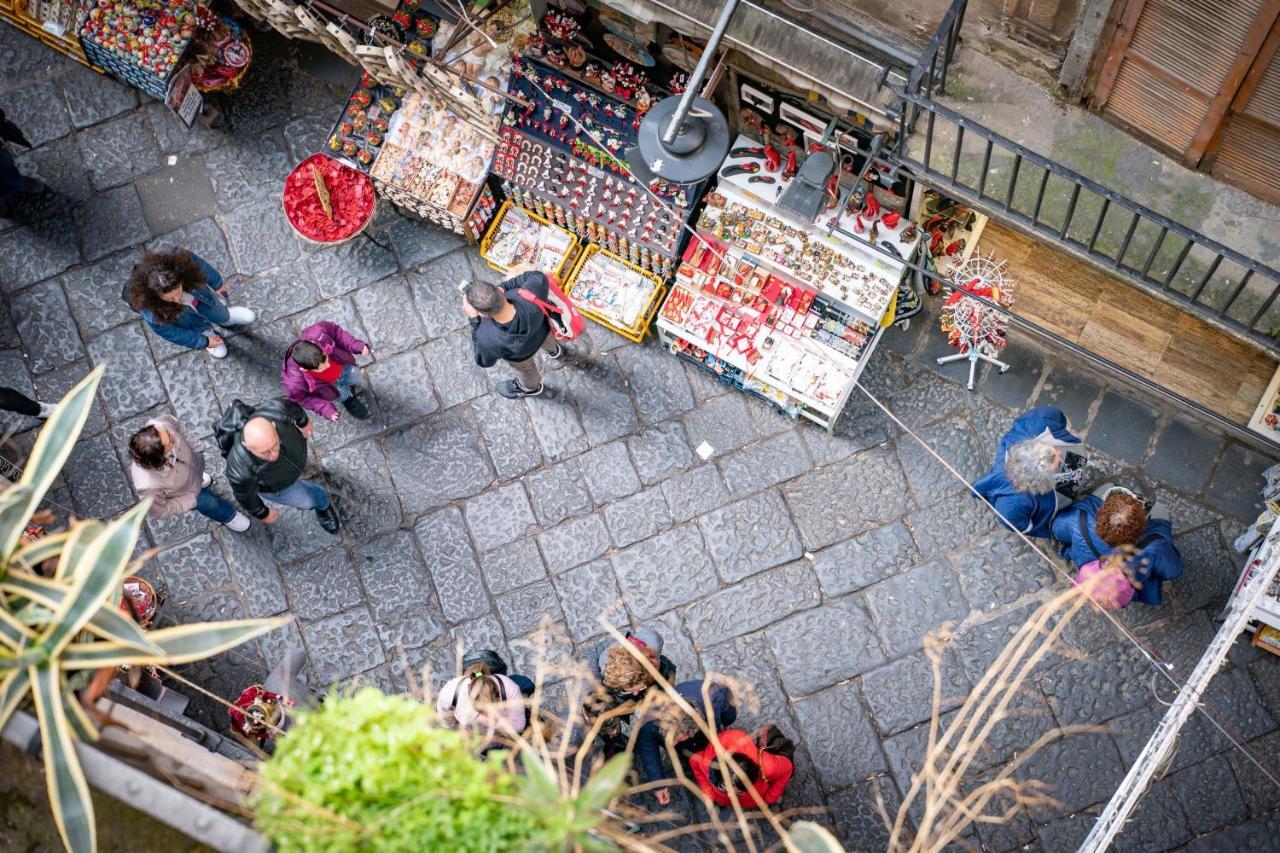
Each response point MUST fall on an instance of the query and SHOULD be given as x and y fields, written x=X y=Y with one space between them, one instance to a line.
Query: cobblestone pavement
x=809 y=564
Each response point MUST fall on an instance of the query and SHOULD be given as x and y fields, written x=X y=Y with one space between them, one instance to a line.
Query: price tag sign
x=183 y=98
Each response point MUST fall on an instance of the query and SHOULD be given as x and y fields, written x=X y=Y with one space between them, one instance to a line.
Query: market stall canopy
x=849 y=79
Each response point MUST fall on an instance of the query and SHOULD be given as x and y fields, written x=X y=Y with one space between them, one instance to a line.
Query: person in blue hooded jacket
x=686 y=736
x=1115 y=518
x=1034 y=468
x=181 y=297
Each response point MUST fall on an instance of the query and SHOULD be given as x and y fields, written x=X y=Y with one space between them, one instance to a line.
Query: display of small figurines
x=865 y=287
x=561 y=26
x=362 y=128
x=678 y=83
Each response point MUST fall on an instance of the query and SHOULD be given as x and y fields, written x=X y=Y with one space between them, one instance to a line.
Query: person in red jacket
x=766 y=759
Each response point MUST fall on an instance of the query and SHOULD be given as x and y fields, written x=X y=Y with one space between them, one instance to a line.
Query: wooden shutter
x=1174 y=67
x=1247 y=152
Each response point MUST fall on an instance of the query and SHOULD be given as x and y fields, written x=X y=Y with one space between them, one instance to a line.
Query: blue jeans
x=213 y=507
x=299 y=495
x=217 y=314
x=350 y=376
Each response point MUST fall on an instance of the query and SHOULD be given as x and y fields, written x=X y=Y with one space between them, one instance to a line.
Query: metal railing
x=999 y=177
x=996 y=175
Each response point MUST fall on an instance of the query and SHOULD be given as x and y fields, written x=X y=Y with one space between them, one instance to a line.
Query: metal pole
x=695 y=79
x=1156 y=752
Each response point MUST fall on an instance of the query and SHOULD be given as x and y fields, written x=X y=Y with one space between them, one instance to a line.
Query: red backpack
x=565 y=321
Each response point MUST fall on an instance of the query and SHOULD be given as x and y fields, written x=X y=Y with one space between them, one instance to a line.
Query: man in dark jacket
x=266 y=453
x=507 y=327
x=686 y=736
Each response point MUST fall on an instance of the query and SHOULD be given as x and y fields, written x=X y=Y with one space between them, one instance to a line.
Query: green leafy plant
x=56 y=632
x=375 y=772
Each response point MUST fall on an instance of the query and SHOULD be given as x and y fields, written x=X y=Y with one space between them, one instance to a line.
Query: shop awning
x=848 y=79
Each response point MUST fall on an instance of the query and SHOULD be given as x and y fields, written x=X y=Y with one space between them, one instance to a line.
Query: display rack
x=551 y=167
x=551 y=250
x=793 y=312
x=626 y=310
x=762 y=330
x=53 y=24
x=433 y=164
x=128 y=64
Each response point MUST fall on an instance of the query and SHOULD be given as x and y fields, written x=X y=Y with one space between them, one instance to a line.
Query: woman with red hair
x=766 y=759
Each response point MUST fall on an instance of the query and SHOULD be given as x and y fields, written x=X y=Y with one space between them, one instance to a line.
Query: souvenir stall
x=171 y=50
x=562 y=157
x=425 y=135
x=786 y=306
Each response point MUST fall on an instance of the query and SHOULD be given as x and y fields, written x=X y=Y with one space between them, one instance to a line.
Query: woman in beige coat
x=168 y=469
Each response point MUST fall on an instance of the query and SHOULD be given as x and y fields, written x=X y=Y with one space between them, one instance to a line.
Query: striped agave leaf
x=72 y=556
x=32 y=554
x=181 y=644
x=13 y=634
x=103 y=566
x=83 y=727
x=69 y=797
x=13 y=687
x=109 y=623
x=54 y=444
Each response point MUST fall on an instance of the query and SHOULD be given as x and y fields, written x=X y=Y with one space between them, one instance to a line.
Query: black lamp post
x=683 y=140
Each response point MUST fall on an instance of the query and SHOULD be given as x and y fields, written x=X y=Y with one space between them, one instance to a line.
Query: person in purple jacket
x=1035 y=472
x=320 y=371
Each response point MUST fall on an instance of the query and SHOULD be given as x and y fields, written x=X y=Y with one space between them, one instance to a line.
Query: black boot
x=328 y=519
x=358 y=408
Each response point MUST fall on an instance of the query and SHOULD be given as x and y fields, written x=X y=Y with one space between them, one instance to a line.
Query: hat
x=649 y=637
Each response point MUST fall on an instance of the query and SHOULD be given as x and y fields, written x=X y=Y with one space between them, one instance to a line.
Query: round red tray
x=351 y=197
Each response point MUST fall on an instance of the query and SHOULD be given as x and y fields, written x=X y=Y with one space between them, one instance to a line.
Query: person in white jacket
x=482 y=702
x=166 y=467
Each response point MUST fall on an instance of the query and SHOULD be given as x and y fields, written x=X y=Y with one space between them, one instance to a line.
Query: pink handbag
x=563 y=317
x=1111 y=589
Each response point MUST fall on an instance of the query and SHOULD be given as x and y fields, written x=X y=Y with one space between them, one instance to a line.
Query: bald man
x=266 y=453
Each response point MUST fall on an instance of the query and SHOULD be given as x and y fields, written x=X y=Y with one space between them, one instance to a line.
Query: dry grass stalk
x=949 y=806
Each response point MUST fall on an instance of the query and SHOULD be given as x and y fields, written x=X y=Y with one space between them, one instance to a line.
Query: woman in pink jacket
x=320 y=371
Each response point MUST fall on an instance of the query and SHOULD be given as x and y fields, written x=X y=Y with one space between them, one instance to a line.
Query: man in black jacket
x=504 y=326
x=266 y=453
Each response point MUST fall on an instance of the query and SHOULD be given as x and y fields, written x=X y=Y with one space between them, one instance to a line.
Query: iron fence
x=997 y=176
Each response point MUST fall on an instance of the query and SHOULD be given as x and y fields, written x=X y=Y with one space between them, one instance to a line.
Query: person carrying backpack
x=511 y=322
x=266 y=452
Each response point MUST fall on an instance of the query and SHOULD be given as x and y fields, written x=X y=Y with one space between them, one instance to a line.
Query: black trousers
x=15 y=401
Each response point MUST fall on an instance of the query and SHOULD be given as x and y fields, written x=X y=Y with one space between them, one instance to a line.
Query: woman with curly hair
x=181 y=298
x=621 y=682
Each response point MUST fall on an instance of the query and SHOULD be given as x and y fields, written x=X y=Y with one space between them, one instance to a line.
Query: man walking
x=166 y=467
x=507 y=327
x=320 y=370
x=266 y=452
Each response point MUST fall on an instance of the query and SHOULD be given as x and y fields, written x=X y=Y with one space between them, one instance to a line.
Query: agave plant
x=56 y=632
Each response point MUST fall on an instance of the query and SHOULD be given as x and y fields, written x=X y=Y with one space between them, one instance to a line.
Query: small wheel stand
x=973 y=327
x=974 y=355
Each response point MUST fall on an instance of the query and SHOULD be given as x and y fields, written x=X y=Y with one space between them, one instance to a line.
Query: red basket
x=351 y=196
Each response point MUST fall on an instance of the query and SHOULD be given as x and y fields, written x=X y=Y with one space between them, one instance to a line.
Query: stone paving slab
x=809 y=564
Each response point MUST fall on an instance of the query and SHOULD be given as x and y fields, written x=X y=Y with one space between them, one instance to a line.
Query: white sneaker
x=240 y=316
x=47 y=410
x=239 y=524
x=206 y=480
x=220 y=351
